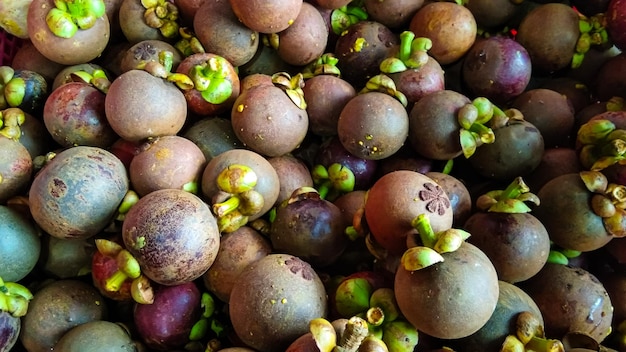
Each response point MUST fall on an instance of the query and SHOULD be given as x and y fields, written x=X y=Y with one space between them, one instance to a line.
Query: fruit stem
x=224 y=208
x=114 y=282
x=422 y=224
x=356 y=331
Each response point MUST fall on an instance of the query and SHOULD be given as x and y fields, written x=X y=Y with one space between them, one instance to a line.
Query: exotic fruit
x=68 y=32
x=78 y=192
x=394 y=202
x=444 y=286
x=172 y=234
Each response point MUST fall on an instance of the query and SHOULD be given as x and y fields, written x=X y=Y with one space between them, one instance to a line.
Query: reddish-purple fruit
x=9 y=331
x=173 y=234
x=497 y=68
x=616 y=23
x=165 y=324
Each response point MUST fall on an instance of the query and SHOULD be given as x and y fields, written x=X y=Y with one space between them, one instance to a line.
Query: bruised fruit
x=78 y=192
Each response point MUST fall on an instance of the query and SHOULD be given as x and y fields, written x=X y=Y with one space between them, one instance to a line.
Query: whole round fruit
x=273 y=301
x=173 y=235
x=78 y=192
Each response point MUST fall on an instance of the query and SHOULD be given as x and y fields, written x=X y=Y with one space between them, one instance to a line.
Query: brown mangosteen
x=172 y=234
x=273 y=301
x=373 y=125
x=571 y=300
x=65 y=42
x=450 y=299
x=238 y=249
x=140 y=105
x=78 y=192
x=450 y=26
x=140 y=22
x=269 y=120
x=396 y=199
x=16 y=168
x=58 y=307
x=96 y=334
x=148 y=50
x=267 y=16
x=220 y=32
x=167 y=162
x=240 y=185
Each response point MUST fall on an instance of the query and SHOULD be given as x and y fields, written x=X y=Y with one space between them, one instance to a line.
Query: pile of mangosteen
x=313 y=175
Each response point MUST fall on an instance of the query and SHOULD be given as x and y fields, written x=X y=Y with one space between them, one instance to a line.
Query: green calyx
x=163 y=69
x=13 y=88
x=68 y=16
x=188 y=44
x=292 y=86
x=238 y=200
x=10 y=121
x=97 y=78
x=602 y=143
x=384 y=84
x=412 y=54
x=345 y=16
x=608 y=201
x=211 y=80
x=208 y=321
x=510 y=200
x=432 y=246
x=477 y=120
x=333 y=181
x=592 y=33
x=128 y=271
x=130 y=198
x=162 y=15
x=324 y=65
x=14 y=298
x=369 y=313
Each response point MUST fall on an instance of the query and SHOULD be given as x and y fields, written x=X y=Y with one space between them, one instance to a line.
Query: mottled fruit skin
x=165 y=324
x=16 y=168
x=274 y=300
x=451 y=299
x=173 y=235
x=9 y=331
x=77 y=193
x=588 y=306
x=74 y=115
x=266 y=16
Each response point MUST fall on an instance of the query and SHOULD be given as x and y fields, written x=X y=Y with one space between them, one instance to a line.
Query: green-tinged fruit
x=324 y=334
x=400 y=336
x=385 y=298
x=352 y=297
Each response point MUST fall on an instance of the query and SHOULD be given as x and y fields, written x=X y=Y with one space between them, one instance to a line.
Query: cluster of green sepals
x=431 y=245
x=162 y=15
x=10 y=121
x=292 y=87
x=237 y=199
x=13 y=88
x=209 y=322
x=345 y=16
x=68 y=16
x=128 y=270
x=14 y=298
x=473 y=118
x=603 y=144
x=592 y=32
x=529 y=336
x=608 y=201
x=211 y=79
x=412 y=54
x=372 y=315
